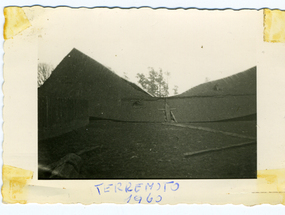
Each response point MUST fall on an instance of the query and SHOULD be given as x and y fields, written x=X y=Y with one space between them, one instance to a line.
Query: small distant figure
x=169 y=116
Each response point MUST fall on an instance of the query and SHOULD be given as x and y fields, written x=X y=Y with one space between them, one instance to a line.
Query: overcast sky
x=190 y=44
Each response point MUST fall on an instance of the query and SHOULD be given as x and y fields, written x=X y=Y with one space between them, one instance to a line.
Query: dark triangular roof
x=78 y=75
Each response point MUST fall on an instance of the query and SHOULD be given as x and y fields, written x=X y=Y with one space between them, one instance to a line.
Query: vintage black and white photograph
x=147 y=94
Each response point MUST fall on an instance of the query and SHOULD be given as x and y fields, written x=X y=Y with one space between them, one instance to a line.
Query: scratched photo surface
x=143 y=106
x=161 y=97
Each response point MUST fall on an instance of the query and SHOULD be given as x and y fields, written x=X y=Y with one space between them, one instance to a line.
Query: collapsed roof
x=79 y=76
x=112 y=97
x=243 y=83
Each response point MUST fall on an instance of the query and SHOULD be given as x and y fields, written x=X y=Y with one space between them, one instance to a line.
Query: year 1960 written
x=139 y=192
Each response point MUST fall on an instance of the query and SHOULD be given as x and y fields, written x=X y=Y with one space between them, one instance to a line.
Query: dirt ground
x=155 y=151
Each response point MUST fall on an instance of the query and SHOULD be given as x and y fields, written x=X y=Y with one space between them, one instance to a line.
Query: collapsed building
x=81 y=88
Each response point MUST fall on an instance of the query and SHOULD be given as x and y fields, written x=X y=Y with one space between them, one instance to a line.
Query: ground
x=124 y=150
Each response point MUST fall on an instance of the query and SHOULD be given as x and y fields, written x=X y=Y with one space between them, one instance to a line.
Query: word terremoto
x=139 y=191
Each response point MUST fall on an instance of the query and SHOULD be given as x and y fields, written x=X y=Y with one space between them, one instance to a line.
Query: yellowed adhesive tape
x=14 y=189
x=15 y=21
x=274 y=26
x=271 y=186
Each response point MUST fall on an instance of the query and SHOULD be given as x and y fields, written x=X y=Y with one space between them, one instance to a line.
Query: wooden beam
x=173 y=116
x=211 y=130
x=188 y=154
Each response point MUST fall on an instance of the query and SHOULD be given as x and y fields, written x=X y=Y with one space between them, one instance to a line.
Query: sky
x=192 y=45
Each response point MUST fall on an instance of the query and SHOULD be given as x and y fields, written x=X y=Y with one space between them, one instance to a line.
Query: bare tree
x=44 y=71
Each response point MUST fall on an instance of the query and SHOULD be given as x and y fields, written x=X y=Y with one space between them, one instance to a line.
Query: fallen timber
x=188 y=154
x=210 y=130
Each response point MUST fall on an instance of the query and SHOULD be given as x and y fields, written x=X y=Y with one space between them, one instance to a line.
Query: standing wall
x=60 y=115
x=185 y=109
